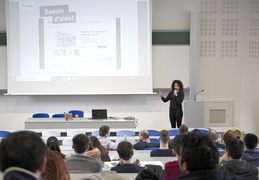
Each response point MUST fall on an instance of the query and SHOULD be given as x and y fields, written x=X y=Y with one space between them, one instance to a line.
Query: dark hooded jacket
x=251 y=156
x=239 y=168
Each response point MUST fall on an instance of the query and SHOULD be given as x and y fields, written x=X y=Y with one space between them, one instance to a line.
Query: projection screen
x=75 y=47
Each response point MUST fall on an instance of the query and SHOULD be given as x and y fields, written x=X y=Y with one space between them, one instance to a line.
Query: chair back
x=51 y=133
x=125 y=132
x=235 y=131
x=4 y=133
x=153 y=148
x=67 y=142
x=132 y=141
x=40 y=115
x=204 y=131
x=173 y=132
x=153 y=132
x=95 y=133
x=154 y=140
x=78 y=112
x=58 y=116
x=72 y=133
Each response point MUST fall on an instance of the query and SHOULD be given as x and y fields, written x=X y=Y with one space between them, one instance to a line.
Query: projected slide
x=79 y=41
x=90 y=48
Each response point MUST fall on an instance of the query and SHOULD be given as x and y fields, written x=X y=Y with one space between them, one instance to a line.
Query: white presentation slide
x=79 y=47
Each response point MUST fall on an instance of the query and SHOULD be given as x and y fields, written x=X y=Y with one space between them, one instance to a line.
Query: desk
x=143 y=155
x=61 y=123
x=128 y=176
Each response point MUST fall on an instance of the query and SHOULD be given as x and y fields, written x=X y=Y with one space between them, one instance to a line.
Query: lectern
x=194 y=114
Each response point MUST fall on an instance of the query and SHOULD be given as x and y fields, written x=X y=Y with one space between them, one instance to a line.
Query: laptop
x=99 y=113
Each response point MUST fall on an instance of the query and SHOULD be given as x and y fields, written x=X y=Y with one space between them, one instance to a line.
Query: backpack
x=150 y=171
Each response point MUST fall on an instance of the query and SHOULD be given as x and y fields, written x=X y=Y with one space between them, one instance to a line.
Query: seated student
x=231 y=163
x=55 y=168
x=144 y=141
x=103 y=138
x=52 y=143
x=95 y=143
x=251 y=154
x=227 y=136
x=94 y=153
x=126 y=165
x=164 y=137
x=196 y=131
x=79 y=162
x=214 y=136
x=183 y=129
x=199 y=158
x=22 y=156
x=172 y=169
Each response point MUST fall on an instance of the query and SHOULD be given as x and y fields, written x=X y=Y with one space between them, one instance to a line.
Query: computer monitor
x=99 y=113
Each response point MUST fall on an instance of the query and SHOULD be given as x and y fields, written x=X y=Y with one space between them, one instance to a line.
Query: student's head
x=235 y=148
x=104 y=130
x=213 y=134
x=52 y=143
x=80 y=143
x=125 y=150
x=251 y=141
x=196 y=131
x=183 y=129
x=55 y=168
x=177 y=84
x=198 y=152
x=94 y=142
x=143 y=134
x=228 y=136
x=164 y=136
x=25 y=150
x=177 y=144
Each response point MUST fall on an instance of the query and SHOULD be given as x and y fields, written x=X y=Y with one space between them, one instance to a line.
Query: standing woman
x=176 y=96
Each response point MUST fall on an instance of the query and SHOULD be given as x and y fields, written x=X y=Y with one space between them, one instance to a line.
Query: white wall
x=2 y=19
x=149 y=109
x=233 y=78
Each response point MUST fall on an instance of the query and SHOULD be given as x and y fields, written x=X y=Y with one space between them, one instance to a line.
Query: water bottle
x=219 y=138
x=125 y=137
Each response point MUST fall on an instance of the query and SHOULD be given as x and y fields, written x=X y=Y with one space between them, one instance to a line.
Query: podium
x=194 y=114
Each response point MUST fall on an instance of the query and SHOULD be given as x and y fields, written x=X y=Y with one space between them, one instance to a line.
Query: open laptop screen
x=99 y=113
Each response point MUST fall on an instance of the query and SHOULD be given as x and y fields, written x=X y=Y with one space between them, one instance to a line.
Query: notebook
x=99 y=113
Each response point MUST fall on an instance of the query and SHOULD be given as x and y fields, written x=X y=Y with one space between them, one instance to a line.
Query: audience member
x=95 y=143
x=199 y=158
x=94 y=153
x=214 y=136
x=52 y=143
x=22 y=156
x=196 y=131
x=79 y=162
x=103 y=137
x=126 y=165
x=227 y=136
x=55 y=168
x=172 y=169
x=231 y=163
x=164 y=137
x=144 y=141
x=251 y=154
x=183 y=129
